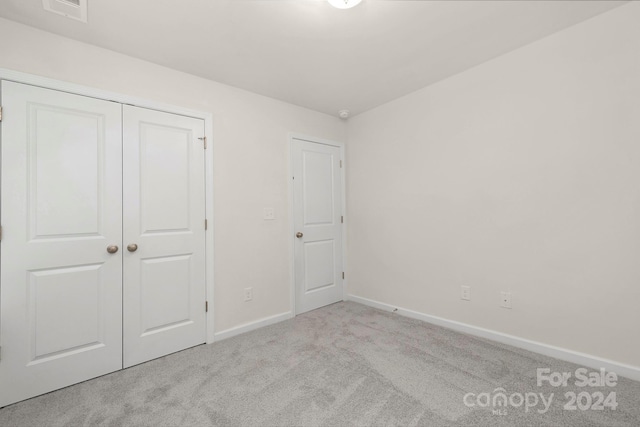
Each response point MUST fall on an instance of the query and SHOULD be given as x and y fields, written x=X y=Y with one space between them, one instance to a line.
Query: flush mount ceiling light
x=344 y=4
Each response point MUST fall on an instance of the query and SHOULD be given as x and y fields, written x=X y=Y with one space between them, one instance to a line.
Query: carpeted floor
x=345 y=364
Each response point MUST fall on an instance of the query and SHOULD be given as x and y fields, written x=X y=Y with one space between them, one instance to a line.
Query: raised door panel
x=65 y=300
x=165 y=294
x=165 y=178
x=318 y=191
x=66 y=179
x=319 y=265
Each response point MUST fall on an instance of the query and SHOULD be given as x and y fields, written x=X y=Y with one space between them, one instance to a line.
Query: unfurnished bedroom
x=319 y=213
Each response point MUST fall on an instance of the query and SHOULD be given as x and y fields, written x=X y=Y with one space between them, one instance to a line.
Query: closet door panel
x=164 y=212
x=61 y=207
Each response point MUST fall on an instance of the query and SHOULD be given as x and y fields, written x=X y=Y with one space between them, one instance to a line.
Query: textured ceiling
x=306 y=52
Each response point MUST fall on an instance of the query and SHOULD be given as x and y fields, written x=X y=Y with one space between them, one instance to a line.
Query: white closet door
x=61 y=291
x=164 y=213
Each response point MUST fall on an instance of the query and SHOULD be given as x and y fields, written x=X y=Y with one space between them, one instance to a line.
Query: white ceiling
x=306 y=52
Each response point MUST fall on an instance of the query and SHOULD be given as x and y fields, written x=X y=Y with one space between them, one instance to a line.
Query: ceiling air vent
x=74 y=9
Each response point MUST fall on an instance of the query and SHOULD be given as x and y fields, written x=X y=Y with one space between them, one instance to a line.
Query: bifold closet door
x=164 y=234
x=102 y=258
x=61 y=264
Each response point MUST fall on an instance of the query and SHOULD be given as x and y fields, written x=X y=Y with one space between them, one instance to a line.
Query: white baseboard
x=261 y=323
x=621 y=369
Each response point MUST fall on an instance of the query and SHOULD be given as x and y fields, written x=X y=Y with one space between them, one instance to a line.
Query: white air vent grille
x=74 y=9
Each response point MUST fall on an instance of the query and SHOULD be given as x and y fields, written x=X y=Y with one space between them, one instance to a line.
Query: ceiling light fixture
x=344 y=4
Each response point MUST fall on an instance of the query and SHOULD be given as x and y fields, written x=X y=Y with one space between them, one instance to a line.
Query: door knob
x=112 y=249
x=132 y=247
x=299 y=235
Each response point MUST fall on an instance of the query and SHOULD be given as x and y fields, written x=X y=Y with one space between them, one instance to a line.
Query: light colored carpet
x=345 y=364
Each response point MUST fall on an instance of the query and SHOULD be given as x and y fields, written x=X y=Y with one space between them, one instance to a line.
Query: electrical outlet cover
x=505 y=299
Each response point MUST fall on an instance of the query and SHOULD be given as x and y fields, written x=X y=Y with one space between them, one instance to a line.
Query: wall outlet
x=465 y=293
x=269 y=213
x=505 y=299
x=248 y=294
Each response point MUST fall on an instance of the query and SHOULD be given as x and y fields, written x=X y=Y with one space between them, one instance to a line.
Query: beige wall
x=250 y=148
x=522 y=175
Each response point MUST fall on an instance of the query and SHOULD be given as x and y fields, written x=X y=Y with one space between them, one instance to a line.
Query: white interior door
x=317 y=194
x=61 y=291
x=164 y=216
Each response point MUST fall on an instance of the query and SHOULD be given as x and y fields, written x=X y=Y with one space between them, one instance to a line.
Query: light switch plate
x=269 y=213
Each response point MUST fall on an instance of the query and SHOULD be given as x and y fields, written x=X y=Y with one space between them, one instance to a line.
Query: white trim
x=294 y=135
x=621 y=369
x=345 y=293
x=252 y=326
x=292 y=232
x=209 y=239
x=47 y=83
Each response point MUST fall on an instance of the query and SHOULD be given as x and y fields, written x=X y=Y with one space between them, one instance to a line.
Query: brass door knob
x=299 y=235
x=112 y=249
x=132 y=247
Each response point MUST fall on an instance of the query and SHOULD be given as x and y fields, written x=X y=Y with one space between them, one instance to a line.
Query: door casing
x=292 y=230
x=44 y=82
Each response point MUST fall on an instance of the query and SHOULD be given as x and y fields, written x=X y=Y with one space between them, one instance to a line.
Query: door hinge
x=343 y=274
x=340 y=163
x=342 y=219
x=206 y=224
x=0 y=114
x=204 y=140
x=206 y=306
x=0 y=232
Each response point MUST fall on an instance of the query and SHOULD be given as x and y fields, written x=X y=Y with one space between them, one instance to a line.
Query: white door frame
x=292 y=232
x=44 y=82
